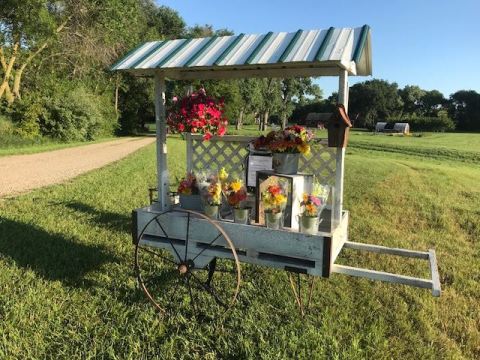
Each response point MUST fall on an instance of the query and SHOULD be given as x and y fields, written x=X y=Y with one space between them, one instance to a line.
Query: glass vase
x=274 y=220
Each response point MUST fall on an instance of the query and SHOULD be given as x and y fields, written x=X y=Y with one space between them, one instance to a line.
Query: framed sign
x=257 y=163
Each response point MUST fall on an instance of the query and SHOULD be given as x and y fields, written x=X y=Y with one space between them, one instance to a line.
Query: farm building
x=397 y=128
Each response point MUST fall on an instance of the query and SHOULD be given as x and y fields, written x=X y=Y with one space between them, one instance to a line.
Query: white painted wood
x=436 y=287
x=325 y=68
x=386 y=250
x=161 y=132
x=338 y=189
x=382 y=276
x=340 y=236
x=343 y=89
x=189 y=140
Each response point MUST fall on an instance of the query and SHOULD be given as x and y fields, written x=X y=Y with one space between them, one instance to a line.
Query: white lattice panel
x=321 y=163
x=218 y=153
x=231 y=151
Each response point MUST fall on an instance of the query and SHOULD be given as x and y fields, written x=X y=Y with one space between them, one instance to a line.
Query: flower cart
x=178 y=249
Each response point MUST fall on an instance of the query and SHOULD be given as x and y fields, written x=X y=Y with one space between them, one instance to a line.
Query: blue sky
x=431 y=43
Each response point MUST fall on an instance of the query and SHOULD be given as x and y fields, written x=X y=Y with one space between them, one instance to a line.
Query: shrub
x=77 y=115
x=434 y=124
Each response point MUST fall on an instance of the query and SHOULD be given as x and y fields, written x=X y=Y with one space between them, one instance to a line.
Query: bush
x=26 y=115
x=6 y=126
x=434 y=124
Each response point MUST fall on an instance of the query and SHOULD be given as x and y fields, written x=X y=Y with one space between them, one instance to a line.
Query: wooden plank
x=226 y=138
x=247 y=237
x=436 y=287
x=338 y=189
x=189 y=140
x=382 y=276
x=386 y=250
x=327 y=257
x=161 y=132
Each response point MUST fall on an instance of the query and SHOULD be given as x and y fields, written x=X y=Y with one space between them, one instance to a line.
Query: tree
x=299 y=88
x=412 y=97
x=432 y=102
x=27 y=27
x=373 y=100
x=251 y=98
x=465 y=110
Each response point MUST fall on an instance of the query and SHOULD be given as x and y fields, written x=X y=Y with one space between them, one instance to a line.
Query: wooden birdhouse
x=338 y=127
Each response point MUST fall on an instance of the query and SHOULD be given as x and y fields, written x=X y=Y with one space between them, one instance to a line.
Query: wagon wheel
x=173 y=271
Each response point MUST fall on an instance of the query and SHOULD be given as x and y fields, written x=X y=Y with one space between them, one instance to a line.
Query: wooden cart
x=180 y=249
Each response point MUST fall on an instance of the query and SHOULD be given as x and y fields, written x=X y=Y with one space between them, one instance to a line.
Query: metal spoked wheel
x=177 y=268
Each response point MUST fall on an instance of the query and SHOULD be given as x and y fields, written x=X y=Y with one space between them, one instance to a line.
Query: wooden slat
x=382 y=276
x=436 y=287
x=386 y=250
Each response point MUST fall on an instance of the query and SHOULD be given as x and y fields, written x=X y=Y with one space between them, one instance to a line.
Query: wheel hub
x=184 y=267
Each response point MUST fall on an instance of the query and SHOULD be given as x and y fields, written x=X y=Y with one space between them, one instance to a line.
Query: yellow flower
x=236 y=185
x=280 y=199
x=305 y=197
x=222 y=174
x=304 y=148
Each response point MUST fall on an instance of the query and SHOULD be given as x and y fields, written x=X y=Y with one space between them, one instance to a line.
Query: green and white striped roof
x=283 y=54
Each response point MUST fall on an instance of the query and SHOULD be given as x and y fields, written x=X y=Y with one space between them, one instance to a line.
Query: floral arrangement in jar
x=189 y=194
x=212 y=198
x=198 y=113
x=236 y=194
x=274 y=199
x=188 y=185
x=286 y=146
x=312 y=206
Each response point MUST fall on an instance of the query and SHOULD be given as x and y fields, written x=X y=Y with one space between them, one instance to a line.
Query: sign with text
x=257 y=163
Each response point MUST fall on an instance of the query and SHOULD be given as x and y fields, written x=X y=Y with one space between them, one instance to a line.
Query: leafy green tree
x=465 y=110
x=374 y=100
x=27 y=27
x=432 y=102
x=412 y=97
x=299 y=88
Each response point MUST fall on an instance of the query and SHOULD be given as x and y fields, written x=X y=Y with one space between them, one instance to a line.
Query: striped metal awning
x=301 y=53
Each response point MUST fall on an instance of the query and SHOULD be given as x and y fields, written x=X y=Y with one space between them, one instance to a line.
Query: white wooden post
x=340 y=155
x=189 y=139
x=161 y=132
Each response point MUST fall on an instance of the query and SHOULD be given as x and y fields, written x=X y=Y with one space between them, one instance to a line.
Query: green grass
x=67 y=288
x=15 y=145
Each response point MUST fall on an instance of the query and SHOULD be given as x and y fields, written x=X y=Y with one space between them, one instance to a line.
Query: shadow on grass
x=110 y=220
x=50 y=255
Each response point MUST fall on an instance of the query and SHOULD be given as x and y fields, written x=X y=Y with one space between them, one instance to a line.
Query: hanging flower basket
x=197 y=113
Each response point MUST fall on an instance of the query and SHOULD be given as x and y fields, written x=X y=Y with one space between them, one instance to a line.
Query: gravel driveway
x=20 y=173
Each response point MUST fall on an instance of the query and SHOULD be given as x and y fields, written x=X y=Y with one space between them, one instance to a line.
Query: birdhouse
x=338 y=127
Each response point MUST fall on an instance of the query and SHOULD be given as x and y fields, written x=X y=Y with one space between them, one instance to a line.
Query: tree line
x=55 y=82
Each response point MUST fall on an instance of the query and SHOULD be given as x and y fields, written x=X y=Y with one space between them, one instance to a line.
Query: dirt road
x=20 y=173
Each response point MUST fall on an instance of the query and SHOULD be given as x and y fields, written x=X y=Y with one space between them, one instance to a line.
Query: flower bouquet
x=286 y=145
x=236 y=194
x=189 y=193
x=198 y=113
x=313 y=205
x=274 y=200
x=212 y=195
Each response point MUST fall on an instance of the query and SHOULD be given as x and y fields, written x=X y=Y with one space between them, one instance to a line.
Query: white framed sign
x=257 y=163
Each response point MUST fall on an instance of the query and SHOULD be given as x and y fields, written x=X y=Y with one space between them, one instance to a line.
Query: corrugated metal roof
x=319 y=52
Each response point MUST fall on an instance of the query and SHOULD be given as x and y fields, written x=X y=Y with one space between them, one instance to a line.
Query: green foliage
x=423 y=123
x=465 y=109
x=77 y=115
x=373 y=100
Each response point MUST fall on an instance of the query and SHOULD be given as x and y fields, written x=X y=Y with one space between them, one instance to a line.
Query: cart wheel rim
x=183 y=265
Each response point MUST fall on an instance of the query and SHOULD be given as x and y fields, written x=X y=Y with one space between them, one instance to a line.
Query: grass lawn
x=13 y=145
x=67 y=289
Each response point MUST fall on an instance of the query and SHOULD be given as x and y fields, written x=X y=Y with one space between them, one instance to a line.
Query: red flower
x=221 y=131
x=207 y=136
